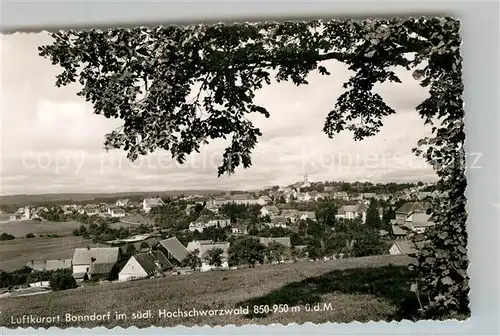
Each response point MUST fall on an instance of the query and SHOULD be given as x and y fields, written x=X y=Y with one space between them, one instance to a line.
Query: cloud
x=52 y=141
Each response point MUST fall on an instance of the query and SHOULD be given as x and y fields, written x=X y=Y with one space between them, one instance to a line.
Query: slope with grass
x=361 y=289
x=14 y=254
x=20 y=228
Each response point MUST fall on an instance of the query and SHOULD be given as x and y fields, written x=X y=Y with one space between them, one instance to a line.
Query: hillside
x=16 y=253
x=81 y=197
x=361 y=289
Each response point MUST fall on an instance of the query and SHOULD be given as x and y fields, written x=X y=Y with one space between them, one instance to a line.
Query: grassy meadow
x=14 y=254
x=362 y=289
x=20 y=228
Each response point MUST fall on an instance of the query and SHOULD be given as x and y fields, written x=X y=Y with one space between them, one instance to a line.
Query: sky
x=51 y=142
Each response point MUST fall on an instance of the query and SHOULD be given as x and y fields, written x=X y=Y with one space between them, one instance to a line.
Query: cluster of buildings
x=163 y=258
x=412 y=217
x=28 y=213
x=117 y=210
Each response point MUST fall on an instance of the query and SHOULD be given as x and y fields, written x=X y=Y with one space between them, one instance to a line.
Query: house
x=203 y=247
x=352 y=211
x=382 y=197
x=50 y=265
x=308 y=215
x=342 y=195
x=117 y=212
x=239 y=230
x=285 y=241
x=206 y=220
x=263 y=200
x=90 y=210
x=95 y=261
x=290 y=195
x=269 y=210
x=217 y=202
x=40 y=284
x=320 y=196
x=279 y=221
x=368 y=196
x=356 y=198
x=245 y=199
x=383 y=233
x=402 y=247
x=406 y=209
x=418 y=222
x=122 y=203
x=399 y=232
x=291 y=214
x=303 y=197
x=190 y=209
x=423 y=195
x=330 y=189
x=144 y=265
x=150 y=203
x=173 y=249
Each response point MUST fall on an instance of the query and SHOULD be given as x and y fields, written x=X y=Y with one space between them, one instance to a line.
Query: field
x=14 y=254
x=21 y=228
x=138 y=218
x=71 y=198
x=362 y=289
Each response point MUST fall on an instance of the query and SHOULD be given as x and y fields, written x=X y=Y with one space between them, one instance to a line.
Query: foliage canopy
x=177 y=88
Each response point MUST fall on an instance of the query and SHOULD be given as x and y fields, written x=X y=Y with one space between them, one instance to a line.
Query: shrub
x=61 y=280
x=6 y=236
x=30 y=235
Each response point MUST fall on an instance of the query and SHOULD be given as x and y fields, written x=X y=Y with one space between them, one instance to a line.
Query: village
x=302 y=222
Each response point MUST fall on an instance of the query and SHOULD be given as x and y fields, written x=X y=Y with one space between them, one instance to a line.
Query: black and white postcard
x=247 y=173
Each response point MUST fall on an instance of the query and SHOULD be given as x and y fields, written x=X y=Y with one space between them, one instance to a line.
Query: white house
x=269 y=210
x=205 y=221
x=321 y=196
x=217 y=202
x=290 y=195
x=50 y=265
x=308 y=215
x=117 y=212
x=150 y=203
x=94 y=261
x=407 y=209
x=303 y=197
x=122 y=202
x=279 y=221
x=239 y=230
x=418 y=221
x=91 y=211
x=352 y=212
x=144 y=265
x=203 y=247
x=263 y=200
x=245 y=199
x=285 y=241
x=291 y=214
x=341 y=195
x=40 y=284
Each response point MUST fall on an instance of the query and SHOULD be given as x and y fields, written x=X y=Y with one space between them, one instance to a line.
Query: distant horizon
x=63 y=151
x=205 y=189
